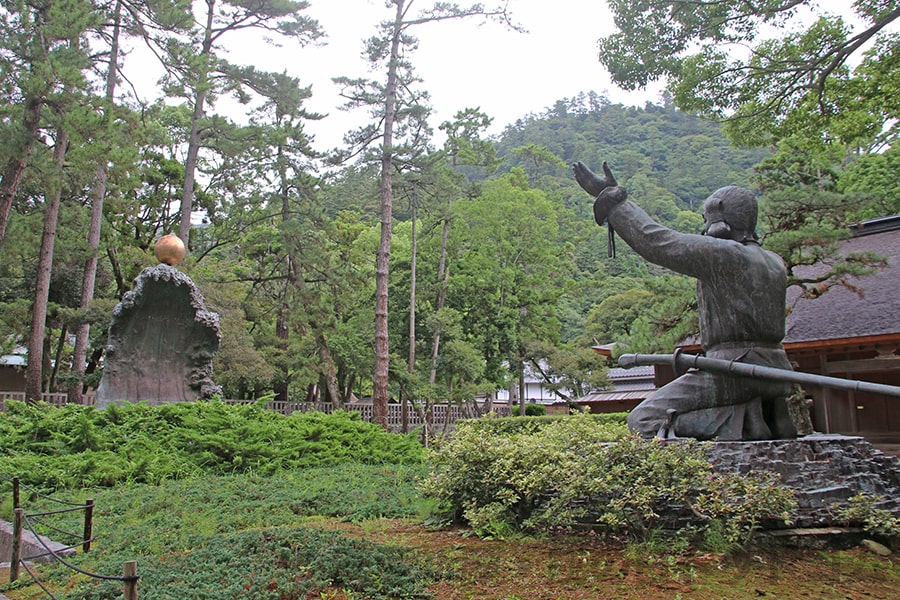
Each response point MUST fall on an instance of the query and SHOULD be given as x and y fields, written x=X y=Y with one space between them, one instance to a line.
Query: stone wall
x=823 y=470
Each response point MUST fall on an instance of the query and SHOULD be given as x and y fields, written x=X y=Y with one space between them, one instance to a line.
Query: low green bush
x=245 y=535
x=861 y=511
x=574 y=471
x=77 y=446
x=275 y=563
x=503 y=460
x=613 y=424
x=531 y=410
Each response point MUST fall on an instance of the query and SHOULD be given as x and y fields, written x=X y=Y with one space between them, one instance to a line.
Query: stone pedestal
x=823 y=470
x=161 y=342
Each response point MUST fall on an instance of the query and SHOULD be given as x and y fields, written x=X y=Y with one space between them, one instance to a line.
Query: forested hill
x=669 y=161
x=667 y=158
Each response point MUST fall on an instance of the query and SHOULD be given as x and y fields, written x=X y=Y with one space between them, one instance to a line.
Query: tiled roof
x=841 y=313
x=617 y=373
x=614 y=396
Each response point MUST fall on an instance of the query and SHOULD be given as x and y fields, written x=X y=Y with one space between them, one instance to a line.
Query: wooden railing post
x=130 y=587
x=16 y=549
x=88 y=524
x=16 y=503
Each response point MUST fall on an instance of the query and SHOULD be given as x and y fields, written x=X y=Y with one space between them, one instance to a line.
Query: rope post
x=88 y=524
x=16 y=549
x=130 y=585
x=16 y=502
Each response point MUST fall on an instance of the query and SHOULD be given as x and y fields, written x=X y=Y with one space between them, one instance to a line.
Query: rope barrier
x=73 y=567
x=130 y=578
x=38 y=581
x=40 y=494
x=60 y=511
x=43 y=554
x=77 y=536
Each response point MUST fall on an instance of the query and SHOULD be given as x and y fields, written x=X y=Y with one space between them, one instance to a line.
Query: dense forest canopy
x=495 y=261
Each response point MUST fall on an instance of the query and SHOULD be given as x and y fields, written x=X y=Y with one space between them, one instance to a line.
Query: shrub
x=613 y=424
x=531 y=410
x=276 y=563
x=569 y=472
x=505 y=461
x=78 y=446
x=862 y=512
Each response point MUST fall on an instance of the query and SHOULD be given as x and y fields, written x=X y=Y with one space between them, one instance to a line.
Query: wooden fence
x=442 y=415
x=54 y=398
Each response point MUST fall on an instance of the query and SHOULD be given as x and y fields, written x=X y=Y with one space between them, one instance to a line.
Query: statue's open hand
x=606 y=189
x=590 y=182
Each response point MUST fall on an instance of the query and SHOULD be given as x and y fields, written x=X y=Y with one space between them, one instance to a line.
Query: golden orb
x=170 y=249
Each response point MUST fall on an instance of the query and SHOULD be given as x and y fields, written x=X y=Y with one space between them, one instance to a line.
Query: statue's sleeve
x=685 y=253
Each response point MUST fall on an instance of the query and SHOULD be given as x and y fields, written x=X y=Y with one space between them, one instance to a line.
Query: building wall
x=875 y=417
x=534 y=391
x=12 y=379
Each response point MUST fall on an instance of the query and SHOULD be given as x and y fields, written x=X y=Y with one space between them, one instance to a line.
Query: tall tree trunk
x=190 y=164
x=42 y=282
x=57 y=358
x=521 y=369
x=74 y=393
x=329 y=374
x=411 y=364
x=290 y=273
x=382 y=352
x=283 y=384
x=443 y=278
x=12 y=174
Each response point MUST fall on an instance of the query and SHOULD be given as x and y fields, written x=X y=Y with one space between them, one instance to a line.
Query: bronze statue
x=741 y=300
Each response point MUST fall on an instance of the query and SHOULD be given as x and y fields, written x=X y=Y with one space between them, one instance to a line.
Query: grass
x=356 y=532
x=216 y=502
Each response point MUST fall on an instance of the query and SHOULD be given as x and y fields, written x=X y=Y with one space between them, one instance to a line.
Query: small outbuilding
x=853 y=332
x=12 y=370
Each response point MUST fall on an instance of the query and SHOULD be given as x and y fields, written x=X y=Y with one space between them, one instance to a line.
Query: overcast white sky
x=463 y=64
x=505 y=73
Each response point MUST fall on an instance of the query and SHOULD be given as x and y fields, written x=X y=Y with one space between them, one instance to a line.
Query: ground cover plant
x=77 y=446
x=248 y=536
x=260 y=536
x=348 y=530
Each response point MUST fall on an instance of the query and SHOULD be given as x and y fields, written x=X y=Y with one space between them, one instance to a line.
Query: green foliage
x=531 y=410
x=263 y=545
x=872 y=178
x=734 y=506
x=77 y=446
x=861 y=511
x=487 y=462
x=669 y=320
x=613 y=422
x=796 y=77
x=273 y=564
x=568 y=472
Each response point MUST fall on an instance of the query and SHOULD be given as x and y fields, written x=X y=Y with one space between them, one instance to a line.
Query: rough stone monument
x=161 y=339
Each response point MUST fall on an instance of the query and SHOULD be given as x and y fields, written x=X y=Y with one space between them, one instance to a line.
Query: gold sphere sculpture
x=170 y=249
